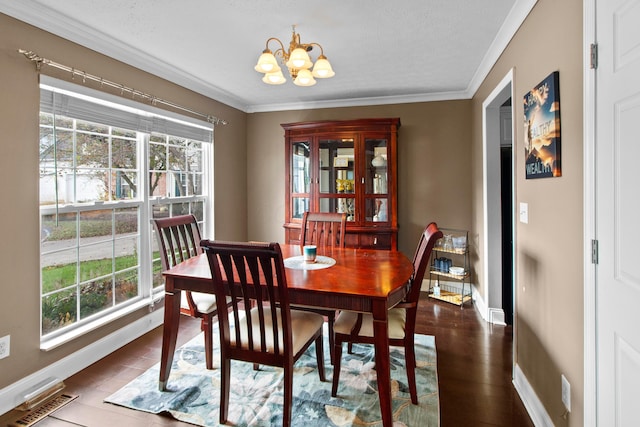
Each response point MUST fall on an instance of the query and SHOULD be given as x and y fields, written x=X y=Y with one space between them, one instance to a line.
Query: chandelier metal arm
x=316 y=44
x=276 y=40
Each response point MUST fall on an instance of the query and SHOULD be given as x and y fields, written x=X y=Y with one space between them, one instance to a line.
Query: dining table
x=362 y=280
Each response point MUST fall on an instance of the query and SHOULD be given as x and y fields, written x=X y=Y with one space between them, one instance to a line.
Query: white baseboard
x=532 y=404
x=497 y=317
x=13 y=395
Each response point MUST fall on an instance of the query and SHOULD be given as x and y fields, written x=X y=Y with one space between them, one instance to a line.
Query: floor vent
x=37 y=414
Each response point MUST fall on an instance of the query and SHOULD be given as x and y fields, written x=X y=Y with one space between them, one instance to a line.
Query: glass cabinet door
x=300 y=178
x=376 y=179
x=337 y=176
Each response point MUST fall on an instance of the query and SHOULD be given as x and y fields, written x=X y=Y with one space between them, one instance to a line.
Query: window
x=106 y=169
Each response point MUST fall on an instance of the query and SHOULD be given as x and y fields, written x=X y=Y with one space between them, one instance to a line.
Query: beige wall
x=19 y=225
x=549 y=281
x=433 y=165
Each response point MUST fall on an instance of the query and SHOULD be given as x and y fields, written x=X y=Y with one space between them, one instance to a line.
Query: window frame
x=144 y=202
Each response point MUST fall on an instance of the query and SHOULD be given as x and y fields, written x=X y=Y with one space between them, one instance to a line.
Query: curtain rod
x=151 y=98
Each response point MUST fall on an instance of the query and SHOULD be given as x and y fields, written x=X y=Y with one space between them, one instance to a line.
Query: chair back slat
x=228 y=266
x=254 y=274
x=323 y=229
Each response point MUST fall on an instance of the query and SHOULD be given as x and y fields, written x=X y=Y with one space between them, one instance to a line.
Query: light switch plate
x=5 y=346
x=524 y=213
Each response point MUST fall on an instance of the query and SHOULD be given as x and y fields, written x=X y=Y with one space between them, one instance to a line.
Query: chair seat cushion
x=205 y=303
x=347 y=319
x=304 y=326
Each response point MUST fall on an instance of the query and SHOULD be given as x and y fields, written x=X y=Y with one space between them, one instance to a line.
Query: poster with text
x=542 y=129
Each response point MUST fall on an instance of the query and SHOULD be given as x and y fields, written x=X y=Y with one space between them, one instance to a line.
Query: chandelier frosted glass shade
x=275 y=78
x=304 y=78
x=297 y=61
x=267 y=63
x=322 y=68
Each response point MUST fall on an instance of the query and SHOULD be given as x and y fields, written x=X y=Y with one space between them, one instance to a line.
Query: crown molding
x=360 y=102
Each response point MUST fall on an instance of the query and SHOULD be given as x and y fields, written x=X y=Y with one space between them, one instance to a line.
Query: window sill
x=53 y=343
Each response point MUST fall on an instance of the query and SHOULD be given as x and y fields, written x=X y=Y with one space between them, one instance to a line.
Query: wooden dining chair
x=265 y=331
x=352 y=327
x=326 y=230
x=178 y=239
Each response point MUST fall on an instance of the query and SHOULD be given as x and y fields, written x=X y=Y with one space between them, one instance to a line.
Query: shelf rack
x=457 y=247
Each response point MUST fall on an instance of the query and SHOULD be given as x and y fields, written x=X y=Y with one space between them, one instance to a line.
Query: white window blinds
x=70 y=100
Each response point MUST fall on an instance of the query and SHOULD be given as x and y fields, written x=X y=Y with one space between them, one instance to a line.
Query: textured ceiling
x=381 y=51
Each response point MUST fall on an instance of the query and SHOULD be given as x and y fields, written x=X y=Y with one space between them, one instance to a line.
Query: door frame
x=589 y=208
x=492 y=264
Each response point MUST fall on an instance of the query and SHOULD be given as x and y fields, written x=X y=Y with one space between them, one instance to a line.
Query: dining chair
x=326 y=230
x=263 y=329
x=352 y=327
x=178 y=239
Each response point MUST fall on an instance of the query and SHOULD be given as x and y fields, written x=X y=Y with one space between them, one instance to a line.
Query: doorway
x=506 y=191
x=498 y=191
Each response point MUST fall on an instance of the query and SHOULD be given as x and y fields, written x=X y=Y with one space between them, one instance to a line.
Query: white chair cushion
x=347 y=319
x=303 y=326
x=205 y=303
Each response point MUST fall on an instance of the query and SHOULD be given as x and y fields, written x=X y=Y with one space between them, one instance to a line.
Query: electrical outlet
x=566 y=393
x=5 y=346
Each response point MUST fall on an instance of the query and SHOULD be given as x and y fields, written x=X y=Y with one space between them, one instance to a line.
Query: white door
x=617 y=156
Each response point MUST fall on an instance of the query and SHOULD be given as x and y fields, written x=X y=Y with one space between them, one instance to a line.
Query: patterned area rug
x=256 y=396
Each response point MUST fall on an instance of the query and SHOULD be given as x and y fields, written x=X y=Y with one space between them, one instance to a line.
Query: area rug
x=193 y=393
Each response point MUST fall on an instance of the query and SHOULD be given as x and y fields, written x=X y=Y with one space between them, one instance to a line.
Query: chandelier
x=296 y=59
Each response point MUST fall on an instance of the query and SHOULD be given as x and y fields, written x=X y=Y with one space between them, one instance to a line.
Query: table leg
x=169 y=333
x=383 y=370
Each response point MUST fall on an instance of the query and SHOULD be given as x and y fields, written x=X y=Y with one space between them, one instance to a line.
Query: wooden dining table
x=363 y=280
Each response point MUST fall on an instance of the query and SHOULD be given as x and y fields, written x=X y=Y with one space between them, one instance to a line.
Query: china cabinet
x=344 y=166
x=450 y=262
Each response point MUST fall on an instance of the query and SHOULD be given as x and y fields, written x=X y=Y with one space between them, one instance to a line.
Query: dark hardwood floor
x=474 y=367
x=474 y=374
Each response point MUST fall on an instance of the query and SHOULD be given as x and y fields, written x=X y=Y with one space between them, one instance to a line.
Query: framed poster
x=542 y=129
